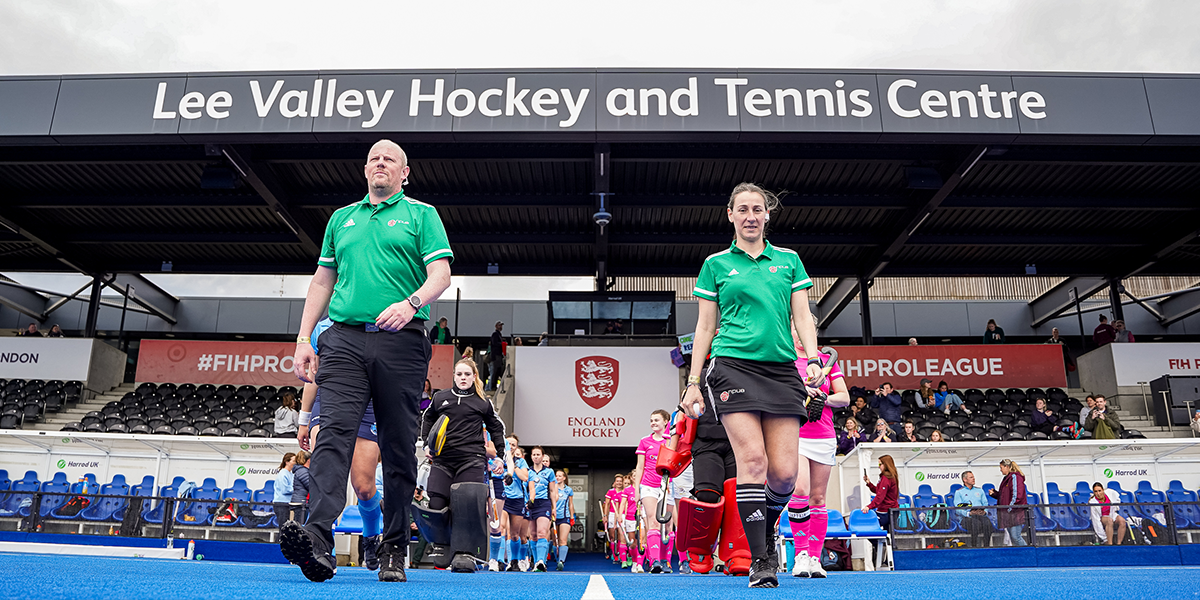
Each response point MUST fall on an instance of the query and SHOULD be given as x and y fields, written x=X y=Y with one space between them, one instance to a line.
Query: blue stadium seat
x=20 y=490
x=145 y=489
x=954 y=487
x=155 y=515
x=785 y=528
x=925 y=498
x=1127 y=499
x=267 y=493
x=204 y=501
x=58 y=484
x=5 y=485
x=1147 y=494
x=1041 y=520
x=103 y=509
x=240 y=491
x=1065 y=516
x=864 y=524
x=837 y=525
x=1187 y=513
x=350 y=522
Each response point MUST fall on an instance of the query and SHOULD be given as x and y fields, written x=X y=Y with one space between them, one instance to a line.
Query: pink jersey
x=631 y=511
x=823 y=429
x=649 y=448
x=614 y=499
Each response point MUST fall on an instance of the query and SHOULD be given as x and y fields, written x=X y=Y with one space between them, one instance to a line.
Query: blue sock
x=541 y=547
x=525 y=551
x=562 y=554
x=514 y=552
x=494 y=543
x=372 y=516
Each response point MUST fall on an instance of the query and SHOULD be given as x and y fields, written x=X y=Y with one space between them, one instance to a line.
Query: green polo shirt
x=380 y=253
x=754 y=301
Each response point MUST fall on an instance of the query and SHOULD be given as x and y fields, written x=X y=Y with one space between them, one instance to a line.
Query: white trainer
x=800 y=569
x=524 y=564
x=637 y=568
x=493 y=566
x=815 y=569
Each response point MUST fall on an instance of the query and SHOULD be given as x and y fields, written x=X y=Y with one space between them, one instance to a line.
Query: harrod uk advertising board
x=582 y=104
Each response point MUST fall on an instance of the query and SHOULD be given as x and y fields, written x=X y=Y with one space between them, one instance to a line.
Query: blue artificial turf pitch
x=88 y=578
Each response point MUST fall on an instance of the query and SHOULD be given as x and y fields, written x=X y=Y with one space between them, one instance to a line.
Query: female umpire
x=752 y=291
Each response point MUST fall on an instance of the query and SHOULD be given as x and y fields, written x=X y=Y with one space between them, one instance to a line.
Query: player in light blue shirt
x=564 y=515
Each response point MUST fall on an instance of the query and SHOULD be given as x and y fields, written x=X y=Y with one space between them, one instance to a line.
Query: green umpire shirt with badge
x=380 y=253
x=754 y=301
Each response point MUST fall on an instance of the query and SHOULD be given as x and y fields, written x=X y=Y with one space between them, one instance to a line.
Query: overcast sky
x=108 y=36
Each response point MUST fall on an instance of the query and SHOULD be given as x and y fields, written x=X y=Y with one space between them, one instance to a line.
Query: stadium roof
x=887 y=173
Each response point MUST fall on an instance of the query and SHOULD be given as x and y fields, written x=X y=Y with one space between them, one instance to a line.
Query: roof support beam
x=263 y=181
x=835 y=300
x=602 y=173
x=1182 y=306
x=1056 y=300
x=23 y=300
x=145 y=294
x=892 y=250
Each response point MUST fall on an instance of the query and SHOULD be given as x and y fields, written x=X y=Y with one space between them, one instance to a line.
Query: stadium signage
x=1148 y=362
x=45 y=358
x=596 y=101
x=1032 y=365
x=557 y=393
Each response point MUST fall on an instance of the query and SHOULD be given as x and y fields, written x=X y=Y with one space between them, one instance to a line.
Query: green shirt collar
x=395 y=198
x=768 y=250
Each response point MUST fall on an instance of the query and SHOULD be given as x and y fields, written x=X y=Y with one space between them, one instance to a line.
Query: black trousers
x=712 y=463
x=980 y=528
x=448 y=471
x=356 y=367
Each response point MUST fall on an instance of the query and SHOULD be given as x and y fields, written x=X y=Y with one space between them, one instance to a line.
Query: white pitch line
x=597 y=589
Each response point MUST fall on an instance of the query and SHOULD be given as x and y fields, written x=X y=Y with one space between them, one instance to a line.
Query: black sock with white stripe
x=752 y=507
x=775 y=504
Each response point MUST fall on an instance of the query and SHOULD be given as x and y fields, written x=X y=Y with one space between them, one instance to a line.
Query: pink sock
x=654 y=546
x=798 y=520
x=670 y=547
x=624 y=550
x=636 y=550
x=818 y=524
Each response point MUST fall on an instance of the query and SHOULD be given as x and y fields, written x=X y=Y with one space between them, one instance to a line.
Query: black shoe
x=370 y=547
x=656 y=567
x=462 y=563
x=513 y=567
x=762 y=573
x=298 y=548
x=391 y=563
x=540 y=567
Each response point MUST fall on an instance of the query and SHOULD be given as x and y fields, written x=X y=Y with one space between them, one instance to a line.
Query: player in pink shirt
x=630 y=525
x=807 y=514
x=649 y=489
x=613 y=513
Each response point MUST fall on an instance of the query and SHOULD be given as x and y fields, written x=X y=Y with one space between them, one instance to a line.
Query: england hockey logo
x=596 y=380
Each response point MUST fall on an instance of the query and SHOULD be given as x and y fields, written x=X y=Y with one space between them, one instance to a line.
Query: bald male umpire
x=383 y=261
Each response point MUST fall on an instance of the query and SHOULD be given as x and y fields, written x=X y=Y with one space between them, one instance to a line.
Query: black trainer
x=762 y=573
x=370 y=547
x=391 y=563
x=656 y=567
x=298 y=548
x=462 y=563
x=513 y=567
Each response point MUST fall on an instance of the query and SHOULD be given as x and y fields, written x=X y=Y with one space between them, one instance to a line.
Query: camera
x=602 y=218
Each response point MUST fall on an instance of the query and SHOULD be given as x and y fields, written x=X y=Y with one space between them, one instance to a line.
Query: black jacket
x=468 y=415
x=302 y=483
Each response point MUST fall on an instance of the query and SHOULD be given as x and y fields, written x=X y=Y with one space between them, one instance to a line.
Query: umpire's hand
x=305 y=363
x=396 y=316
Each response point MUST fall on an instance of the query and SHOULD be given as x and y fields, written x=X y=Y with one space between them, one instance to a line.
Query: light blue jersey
x=516 y=489
x=541 y=483
x=564 y=496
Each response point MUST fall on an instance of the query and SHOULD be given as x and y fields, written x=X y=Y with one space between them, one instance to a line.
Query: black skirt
x=740 y=385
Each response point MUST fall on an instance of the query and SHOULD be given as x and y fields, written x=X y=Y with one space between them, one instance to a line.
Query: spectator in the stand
x=887 y=493
x=909 y=434
x=947 y=399
x=1011 y=495
x=850 y=436
x=994 y=334
x=544 y=339
x=620 y=327
x=32 y=331
x=937 y=436
x=925 y=393
x=495 y=357
x=1089 y=404
x=862 y=411
x=284 y=482
x=887 y=403
x=973 y=502
x=1196 y=423
x=1103 y=423
x=912 y=341
x=56 y=332
x=1068 y=361
x=426 y=396
x=1105 y=517
x=302 y=481
x=1042 y=419
x=610 y=328
x=1122 y=335
x=287 y=418
x=518 y=342
x=1104 y=333
x=440 y=334
x=882 y=434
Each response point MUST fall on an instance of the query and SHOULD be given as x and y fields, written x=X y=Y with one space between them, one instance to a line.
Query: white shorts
x=819 y=450
x=612 y=520
x=654 y=492
x=681 y=487
x=630 y=525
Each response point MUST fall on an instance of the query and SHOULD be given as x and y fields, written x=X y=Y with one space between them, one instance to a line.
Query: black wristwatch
x=415 y=301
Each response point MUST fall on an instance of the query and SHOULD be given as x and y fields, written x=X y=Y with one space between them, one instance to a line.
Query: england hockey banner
x=981 y=366
x=590 y=396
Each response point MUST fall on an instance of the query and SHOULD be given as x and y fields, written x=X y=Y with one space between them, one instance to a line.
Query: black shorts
x=712 y=464
x=543 y=508
x=516 y=507
x=498 y=487
x=562 y=521
x=739 y=385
